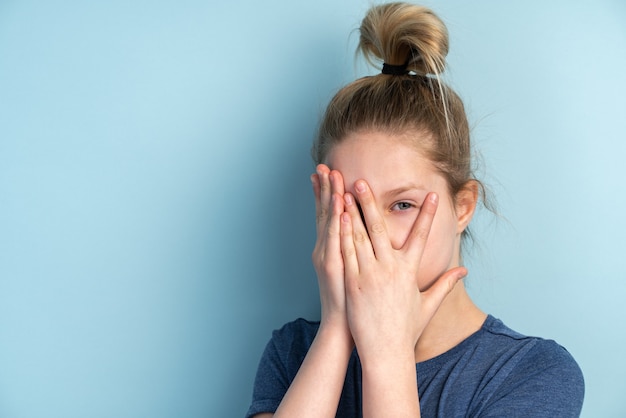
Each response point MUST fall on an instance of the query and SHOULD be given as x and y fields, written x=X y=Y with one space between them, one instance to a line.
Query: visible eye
x=402 y=206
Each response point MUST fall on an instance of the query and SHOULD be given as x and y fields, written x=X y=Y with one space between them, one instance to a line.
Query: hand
x=316 y=388
x=387 y=313
x=328 y=188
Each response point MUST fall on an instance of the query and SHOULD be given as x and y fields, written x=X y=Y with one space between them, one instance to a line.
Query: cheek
x=441 y=237
x=439 y=254
x=436 y=260
x=438 y=251
x=399 y=228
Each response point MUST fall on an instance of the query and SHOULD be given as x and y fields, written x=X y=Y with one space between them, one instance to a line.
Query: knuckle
x=317 y=260
x=326 y=270
x=377 y=228
x=322 y=215
x=451 y=284
x=422 y=234
x=349 y=252
x=359 y=237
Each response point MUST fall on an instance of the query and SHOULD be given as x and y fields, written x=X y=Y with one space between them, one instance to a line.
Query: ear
x=465 y=204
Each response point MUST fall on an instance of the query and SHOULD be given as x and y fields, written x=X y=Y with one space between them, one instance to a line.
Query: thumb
x=434 y=296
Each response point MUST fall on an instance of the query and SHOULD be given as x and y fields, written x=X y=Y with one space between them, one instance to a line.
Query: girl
x=399 y=336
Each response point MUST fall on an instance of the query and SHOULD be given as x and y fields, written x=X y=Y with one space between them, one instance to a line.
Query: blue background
x=156 y=219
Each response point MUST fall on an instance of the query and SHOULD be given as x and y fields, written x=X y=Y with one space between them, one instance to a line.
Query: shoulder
x=299 y=325
x=291 y=342
x=279 y=364
x=537 y=373
x=298 y=332
x=534 y=353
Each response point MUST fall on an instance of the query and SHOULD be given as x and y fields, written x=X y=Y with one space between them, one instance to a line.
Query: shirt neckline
x=444 y=357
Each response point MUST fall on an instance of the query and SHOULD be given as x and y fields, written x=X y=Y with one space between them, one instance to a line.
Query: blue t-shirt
x=495 y=372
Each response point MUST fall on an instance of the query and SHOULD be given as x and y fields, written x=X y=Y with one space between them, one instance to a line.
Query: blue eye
x=402 y=206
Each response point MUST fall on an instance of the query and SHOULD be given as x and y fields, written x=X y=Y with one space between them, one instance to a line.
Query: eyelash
x=406 y=206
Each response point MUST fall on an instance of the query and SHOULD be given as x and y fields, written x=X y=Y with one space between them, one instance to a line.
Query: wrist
x=335 y=331
x=390 y=384
x=387 y=361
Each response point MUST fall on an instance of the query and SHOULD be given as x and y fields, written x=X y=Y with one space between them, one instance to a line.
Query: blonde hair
x=417 y=102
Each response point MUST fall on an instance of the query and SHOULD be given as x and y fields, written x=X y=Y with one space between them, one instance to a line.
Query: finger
x=374 y=222
x=363 y=247
x=335 y=208
x=336 y=182
x=332 y=240
x=434 y=296
x=315 y=182
x=322 y=197
x=416 y=241
x=348 y=250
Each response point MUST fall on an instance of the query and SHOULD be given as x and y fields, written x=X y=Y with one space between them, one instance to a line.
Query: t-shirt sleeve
x=546 y=383
x=279 y=364
x=270 y=382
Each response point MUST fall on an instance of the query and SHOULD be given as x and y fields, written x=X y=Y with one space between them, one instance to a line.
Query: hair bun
x=405 y=34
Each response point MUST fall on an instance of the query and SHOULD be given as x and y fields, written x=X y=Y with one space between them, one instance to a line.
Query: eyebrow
x=399 y=190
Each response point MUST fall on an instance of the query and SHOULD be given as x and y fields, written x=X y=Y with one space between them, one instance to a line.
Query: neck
x=456 y=319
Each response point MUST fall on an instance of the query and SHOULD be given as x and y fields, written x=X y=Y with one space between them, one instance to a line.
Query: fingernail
x=360 y=186
x=434 y=197
x=348 y=199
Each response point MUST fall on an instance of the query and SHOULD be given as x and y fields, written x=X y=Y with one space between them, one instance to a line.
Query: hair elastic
x=395 y=69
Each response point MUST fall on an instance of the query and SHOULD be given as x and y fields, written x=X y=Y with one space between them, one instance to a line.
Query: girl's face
x=400 y=177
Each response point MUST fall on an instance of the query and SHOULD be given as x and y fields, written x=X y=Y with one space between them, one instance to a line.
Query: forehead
x=384 y=160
